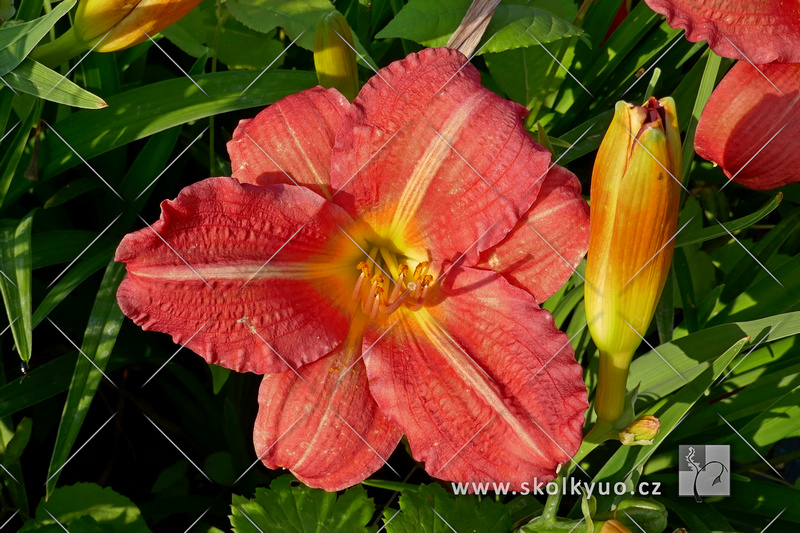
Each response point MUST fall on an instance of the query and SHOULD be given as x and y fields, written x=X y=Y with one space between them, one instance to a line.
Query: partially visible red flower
x=358 y=259
x=750 y=124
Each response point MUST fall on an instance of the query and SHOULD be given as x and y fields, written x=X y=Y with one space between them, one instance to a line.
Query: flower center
x=371 y=288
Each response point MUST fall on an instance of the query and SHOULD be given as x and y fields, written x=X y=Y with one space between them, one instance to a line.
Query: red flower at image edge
x=381 y=264
x=751 y=123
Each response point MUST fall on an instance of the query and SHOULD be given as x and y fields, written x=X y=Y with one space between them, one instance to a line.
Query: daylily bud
x=612 y=526
x=334 y=55
x=128 y=22
x=641 y=432
x=635 y=198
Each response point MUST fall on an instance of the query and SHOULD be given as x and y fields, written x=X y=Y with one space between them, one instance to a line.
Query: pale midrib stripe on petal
x=469 y=372
x=429 y=164
x=235 y=271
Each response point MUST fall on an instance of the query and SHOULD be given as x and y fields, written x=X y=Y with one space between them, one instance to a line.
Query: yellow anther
x=363 y=267
x=402 y=270
x=427 y=280
x=420 y=269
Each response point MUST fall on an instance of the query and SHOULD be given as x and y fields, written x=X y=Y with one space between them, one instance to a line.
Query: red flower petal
x=290 y=141
x=760 y=32
x=541 y=252
x=434 y=161
x=325 y=428
x=750 y=129
x=193 y=279
x=482 y=383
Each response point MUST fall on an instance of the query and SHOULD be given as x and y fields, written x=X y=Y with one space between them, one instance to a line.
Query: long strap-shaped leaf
x=98 y=341
x=15 y=282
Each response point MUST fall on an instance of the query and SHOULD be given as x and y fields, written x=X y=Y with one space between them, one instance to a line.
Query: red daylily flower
x=381 y=263
x=750 y=123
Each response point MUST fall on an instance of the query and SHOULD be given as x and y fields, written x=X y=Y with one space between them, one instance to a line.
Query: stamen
x=376 y=303
x=421 y=293
x=398 y=286
x=364 y=268
x=420 y=270
x=395 y=304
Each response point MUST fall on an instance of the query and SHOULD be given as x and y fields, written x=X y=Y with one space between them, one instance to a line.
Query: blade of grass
x=98 y=342
x=712 y=232
x=15 y=283
x=34 y=78
x=707 y=83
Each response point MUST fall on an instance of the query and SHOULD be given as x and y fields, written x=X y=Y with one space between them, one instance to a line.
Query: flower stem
x=611 y=386
x=61 y=50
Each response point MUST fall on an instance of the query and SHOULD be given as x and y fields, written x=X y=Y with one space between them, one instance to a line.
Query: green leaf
x=686 y=238
x=16 y=42
x=15 y=283
x=219 y=375
x=235 y=44
x=98 y=341
x=512 y=26
x=432 y=510
x=19 y=140
x=110 y=510
x=143 y=111
x=34 y=78
x=667 y=368
x=18 y=443
x=707 y=84
x=301 y=509
x=37 y=385
x=627 y=458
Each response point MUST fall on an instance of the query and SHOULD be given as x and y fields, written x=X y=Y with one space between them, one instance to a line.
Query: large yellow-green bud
x=635 y=197
x=334 y=55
